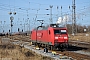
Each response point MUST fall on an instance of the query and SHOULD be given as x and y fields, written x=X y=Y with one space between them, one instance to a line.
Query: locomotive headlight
x=56 y=37
x=65 y=37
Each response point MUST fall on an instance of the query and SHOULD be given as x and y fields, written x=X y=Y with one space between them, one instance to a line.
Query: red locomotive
x=52 y=35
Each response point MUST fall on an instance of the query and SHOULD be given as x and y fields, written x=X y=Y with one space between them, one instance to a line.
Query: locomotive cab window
x=56 y=31
x=63 y=32
x=49 y=32
x=60 y=32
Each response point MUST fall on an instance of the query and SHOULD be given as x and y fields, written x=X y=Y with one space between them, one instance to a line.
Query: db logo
x=39 y=35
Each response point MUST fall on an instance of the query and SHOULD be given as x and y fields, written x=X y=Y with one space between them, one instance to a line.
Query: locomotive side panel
x=42 y=36
x=33 y=35
x=51 y=36
x=45 y=36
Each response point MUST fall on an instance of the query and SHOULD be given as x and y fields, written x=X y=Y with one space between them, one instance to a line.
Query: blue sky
x=28 y=11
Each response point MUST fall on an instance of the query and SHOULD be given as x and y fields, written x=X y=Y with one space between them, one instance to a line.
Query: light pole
x=51 y=14
x=4 y=26
x=0 y=26
x=12 y=18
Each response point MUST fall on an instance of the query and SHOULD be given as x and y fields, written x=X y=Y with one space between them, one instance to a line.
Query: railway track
x=74 y=55
x=70 y=52
x=81 y=45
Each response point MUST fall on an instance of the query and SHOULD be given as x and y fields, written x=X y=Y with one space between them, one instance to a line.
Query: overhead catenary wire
x=16 y=7
x=22 y=7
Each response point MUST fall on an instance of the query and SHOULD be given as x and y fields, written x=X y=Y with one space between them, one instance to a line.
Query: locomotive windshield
x=63 y=31
x=56 y=31
x=60 y=32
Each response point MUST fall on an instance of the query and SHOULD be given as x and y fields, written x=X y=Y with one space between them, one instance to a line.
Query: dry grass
x=12 y=52
x=81 y=37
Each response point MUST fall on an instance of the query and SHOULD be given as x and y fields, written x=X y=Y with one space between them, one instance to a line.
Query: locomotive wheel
x=39 y=45
x=61 y=48
x=42 y=45
x=48 y=47
x=52 y=48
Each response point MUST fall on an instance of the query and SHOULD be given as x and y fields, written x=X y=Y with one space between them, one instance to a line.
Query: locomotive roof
x=46 y=27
